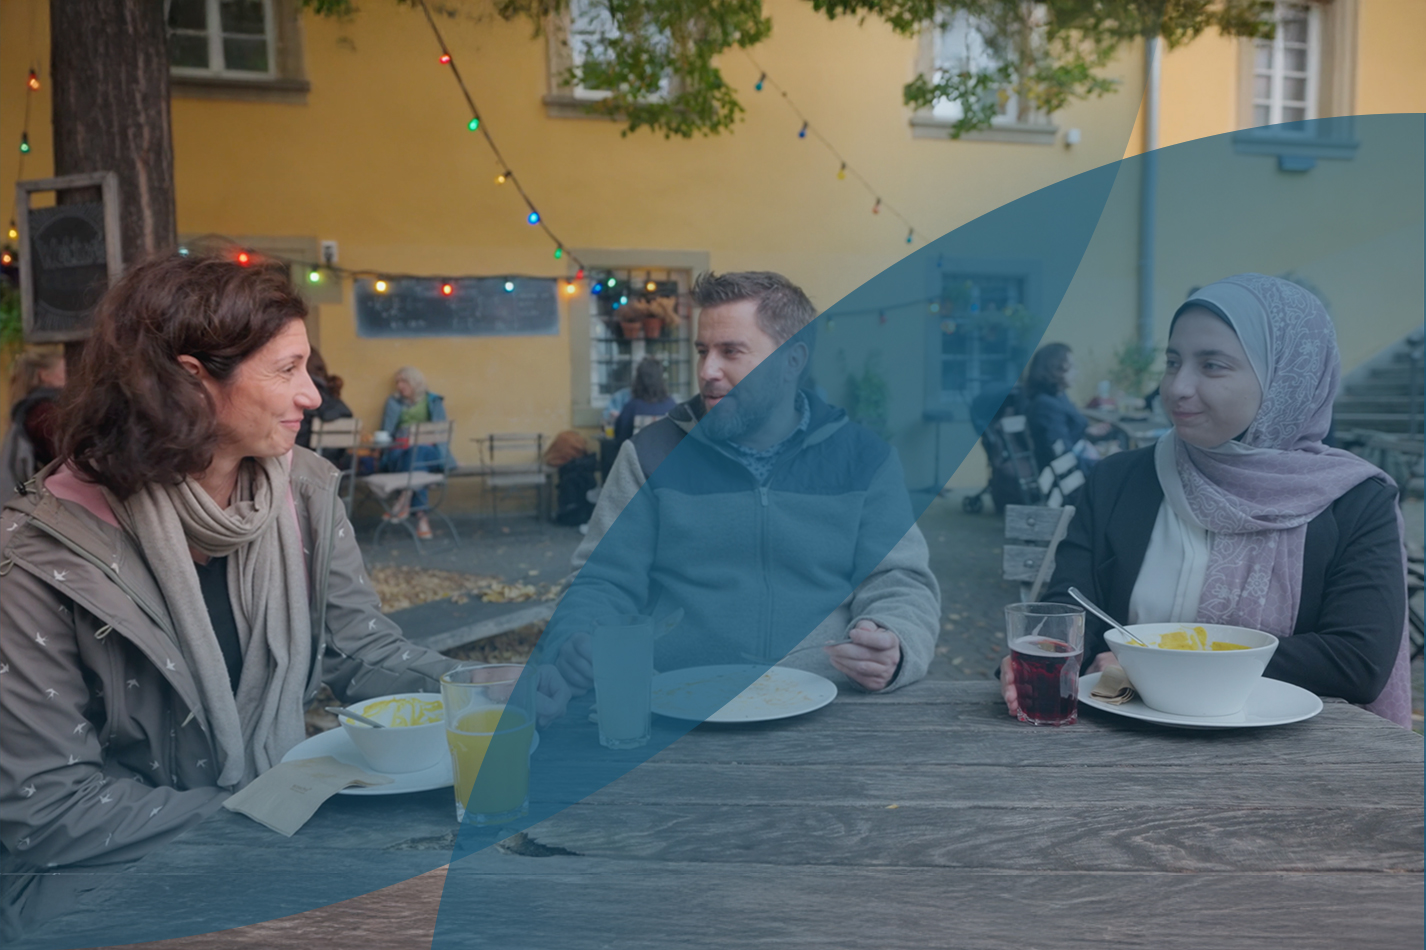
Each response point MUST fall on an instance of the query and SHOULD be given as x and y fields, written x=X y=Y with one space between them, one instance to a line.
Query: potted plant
x=631 y=322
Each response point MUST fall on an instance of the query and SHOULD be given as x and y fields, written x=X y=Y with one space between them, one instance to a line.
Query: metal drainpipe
x=1147 y=200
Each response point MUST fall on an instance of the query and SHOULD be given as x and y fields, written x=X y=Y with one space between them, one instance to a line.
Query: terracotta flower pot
x=653 y=327
x=632 y=329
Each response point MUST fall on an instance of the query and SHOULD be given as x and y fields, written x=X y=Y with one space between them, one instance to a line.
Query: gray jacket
x=749 y=563
x=106 y=753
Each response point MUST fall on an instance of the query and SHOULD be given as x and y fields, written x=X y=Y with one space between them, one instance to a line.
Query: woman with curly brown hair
x=175 y=588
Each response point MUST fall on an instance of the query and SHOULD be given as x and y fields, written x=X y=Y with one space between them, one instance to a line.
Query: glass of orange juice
x=490 y=722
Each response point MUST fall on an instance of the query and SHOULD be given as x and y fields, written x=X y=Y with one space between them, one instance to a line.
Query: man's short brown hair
x=782 y=308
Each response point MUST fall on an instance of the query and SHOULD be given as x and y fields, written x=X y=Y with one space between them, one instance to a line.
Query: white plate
x=776 y=693
x=1271 y=703
x=337 y=744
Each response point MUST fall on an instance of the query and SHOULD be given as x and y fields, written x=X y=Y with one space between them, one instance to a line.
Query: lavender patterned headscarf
x=1257 y=494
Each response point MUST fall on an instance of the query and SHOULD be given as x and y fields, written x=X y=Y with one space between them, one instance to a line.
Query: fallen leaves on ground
x=512 y=647
x=402 y=587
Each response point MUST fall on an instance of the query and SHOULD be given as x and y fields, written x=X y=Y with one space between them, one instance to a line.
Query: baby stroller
x=1006 y=438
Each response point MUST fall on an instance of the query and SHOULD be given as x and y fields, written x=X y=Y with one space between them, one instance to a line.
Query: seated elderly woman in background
x=179 y=584
x=411 y=403
x=1241 y=515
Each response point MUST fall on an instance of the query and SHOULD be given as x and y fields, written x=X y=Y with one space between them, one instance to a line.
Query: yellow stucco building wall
x=378 y=159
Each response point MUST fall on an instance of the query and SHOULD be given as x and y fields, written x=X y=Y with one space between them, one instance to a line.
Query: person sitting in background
x=412 y=403
x=329 y=387
x=36 y=378
x=650 y=398
x=1053 y=417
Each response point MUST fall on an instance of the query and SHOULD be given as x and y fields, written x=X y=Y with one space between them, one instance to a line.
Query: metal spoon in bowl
x=1089 y=605
x=343 y=711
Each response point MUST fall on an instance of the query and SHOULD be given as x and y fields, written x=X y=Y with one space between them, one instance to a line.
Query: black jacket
x=1353 y=604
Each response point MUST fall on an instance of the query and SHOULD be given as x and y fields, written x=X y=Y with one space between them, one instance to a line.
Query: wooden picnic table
x=924 y=818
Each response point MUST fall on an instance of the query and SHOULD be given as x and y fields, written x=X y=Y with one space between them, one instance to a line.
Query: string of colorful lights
x=844 y=167
x=32 y=86
x=506 y=173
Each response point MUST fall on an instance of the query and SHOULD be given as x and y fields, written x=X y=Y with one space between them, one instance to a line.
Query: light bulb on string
x=759 y=84
x=33 y=82
x=597 y=289
x=379 y=286
x=802 y=132
x=533 y=217
x=500 y=178
x=447 y=289
x=559 y=252
x=13 y=233
x=876 y=208
x=445 y=59
x=509 y=286
x=314 y=276
x=569 y=287
x=842 y=172
x=579 y=274
x=651 y=286
x=909 y=235
x=24 y=143
x=7 y=258
x=613 y=281
x=473 y=124
x=244 y=258
x=623 y=299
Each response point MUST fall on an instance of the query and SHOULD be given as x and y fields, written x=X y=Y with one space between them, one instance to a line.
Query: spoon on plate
x=343 y=711
x=1089 y=605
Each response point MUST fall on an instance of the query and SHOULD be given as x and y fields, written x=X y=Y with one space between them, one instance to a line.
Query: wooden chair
x=388 y=486
x=342 y=434
x=515 y=460
x=1036 y=533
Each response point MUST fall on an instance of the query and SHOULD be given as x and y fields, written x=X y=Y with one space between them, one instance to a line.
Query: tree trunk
x=109 y=75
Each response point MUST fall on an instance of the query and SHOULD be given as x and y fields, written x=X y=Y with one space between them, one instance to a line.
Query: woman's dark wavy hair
x=649 y=384
x=1046 y=372
x=132 y=415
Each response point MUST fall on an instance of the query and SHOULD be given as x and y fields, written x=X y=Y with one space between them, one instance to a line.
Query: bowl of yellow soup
x=1197 y=669
x=415 y=733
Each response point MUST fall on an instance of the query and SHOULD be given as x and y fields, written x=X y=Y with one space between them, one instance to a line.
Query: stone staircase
x=1379 y=413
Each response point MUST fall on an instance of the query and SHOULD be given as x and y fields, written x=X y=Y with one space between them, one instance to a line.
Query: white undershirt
x=1171 y=578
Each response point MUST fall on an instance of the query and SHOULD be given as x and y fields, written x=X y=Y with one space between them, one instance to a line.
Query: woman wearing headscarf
x=1240 y=515
x=410 y=404
x=176 y=587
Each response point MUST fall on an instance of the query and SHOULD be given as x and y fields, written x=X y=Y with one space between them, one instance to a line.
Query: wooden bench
x=1031 y=535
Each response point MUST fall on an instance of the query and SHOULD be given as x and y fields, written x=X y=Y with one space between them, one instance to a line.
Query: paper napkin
x=1113 y=686
x=286 y=795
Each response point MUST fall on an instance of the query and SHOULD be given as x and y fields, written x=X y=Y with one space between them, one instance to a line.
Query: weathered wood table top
x=924 y=818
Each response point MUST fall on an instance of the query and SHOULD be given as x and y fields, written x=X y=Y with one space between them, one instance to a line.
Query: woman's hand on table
x=552 y=694
x=871 y=658
x=1007 y=681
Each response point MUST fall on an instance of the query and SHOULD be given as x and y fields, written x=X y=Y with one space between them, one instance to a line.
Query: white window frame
x=214 y=34
x=948 y=110
x=1276 y=72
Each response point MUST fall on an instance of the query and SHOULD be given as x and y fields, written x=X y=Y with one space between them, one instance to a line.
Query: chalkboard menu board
x=475 y=306
x=69 y=254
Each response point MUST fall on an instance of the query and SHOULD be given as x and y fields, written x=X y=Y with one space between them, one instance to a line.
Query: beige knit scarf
x=267 y=581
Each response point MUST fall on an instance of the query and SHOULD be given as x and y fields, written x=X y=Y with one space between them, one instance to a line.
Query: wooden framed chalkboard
x=69 y=254
x=475 y=306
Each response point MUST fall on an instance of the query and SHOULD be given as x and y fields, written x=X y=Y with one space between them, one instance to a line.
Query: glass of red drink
x=1046 y=646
